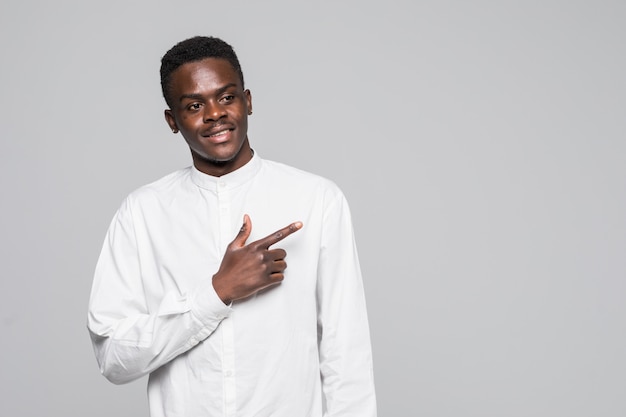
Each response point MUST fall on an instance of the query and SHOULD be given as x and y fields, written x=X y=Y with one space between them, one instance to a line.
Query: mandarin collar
x=230 y=180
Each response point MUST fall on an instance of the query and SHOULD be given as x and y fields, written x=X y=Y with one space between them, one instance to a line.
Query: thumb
x=244 y=232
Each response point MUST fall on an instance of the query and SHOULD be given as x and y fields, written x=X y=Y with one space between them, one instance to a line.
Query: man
x=190 y=289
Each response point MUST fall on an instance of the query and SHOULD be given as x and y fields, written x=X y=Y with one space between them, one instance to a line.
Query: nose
x=213 y=112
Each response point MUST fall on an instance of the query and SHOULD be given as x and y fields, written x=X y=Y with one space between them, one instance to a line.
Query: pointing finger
x=279 y=235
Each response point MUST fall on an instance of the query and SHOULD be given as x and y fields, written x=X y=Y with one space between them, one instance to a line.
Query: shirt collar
x=232 y=179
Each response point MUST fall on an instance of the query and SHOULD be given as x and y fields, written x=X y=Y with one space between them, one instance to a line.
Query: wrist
x=221 y=292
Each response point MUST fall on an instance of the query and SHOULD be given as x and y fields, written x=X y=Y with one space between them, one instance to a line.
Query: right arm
x=129 y=340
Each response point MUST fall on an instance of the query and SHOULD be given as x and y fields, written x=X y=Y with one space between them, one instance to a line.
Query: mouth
x=219 y=134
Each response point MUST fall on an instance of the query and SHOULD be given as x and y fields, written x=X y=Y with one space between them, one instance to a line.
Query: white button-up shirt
x=297 y=349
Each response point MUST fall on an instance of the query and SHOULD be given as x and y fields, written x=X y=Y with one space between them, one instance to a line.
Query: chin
x=218 y=156
x=216 y=159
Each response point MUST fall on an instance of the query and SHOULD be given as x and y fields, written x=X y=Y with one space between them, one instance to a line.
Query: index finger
x=279 y=235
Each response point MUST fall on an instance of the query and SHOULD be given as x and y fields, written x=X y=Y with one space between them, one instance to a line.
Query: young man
x=190 y=288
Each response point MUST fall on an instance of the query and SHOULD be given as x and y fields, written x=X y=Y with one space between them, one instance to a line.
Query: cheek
x=190 y=122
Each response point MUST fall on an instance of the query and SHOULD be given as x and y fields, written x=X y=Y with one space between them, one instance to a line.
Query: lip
x=218 y=134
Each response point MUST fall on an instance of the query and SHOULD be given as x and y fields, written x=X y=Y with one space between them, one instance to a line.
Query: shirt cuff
x=207 y=306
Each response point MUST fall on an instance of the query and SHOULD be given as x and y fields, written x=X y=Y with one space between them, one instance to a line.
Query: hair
x=192 y=50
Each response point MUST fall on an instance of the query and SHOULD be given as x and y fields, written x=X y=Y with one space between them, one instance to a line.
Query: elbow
x=114 y=369
x=117 y=375
x=112 y=365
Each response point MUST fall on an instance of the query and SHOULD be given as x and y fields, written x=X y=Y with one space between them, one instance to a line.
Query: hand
x=247 y=269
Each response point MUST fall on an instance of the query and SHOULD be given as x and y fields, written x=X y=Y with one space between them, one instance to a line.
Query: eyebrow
x=196 y=96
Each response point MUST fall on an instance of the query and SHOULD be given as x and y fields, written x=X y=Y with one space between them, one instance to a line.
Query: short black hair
x=195 y=49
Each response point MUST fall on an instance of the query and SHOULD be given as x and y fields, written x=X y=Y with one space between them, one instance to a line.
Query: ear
x=248 y=101
x=171 y=121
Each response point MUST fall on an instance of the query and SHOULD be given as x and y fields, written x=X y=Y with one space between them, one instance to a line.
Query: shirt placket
x=228 y=342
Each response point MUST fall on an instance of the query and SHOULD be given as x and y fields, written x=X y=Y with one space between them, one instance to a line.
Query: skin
x=207 y=98
x=246 y=269
x=210 y=108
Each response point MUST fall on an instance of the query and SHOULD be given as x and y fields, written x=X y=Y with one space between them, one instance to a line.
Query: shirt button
x=222 y=184
x=228 y=373
x=193 y=341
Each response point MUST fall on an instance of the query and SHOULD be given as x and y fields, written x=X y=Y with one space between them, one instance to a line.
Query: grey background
x=481 y=145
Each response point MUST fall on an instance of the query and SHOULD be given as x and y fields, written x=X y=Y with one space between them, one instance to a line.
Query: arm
x=344 y=340
x=129 y=340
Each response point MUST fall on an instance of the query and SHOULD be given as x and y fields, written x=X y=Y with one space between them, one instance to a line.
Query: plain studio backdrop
x=481 y=145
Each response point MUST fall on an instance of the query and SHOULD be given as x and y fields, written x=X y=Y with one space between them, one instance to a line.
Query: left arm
x=343 y=329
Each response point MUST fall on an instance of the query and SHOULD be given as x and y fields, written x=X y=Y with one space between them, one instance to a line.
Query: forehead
x=206 y=74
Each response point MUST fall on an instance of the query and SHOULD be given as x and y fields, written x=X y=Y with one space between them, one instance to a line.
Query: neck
x=218 y=168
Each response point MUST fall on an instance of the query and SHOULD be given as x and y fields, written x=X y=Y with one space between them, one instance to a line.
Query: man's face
x=210 y=109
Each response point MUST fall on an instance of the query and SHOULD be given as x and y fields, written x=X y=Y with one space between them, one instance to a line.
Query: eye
x=228 y=98
x=194 y=106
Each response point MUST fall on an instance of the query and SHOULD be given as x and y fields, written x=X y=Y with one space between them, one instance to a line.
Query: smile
x=220 y=133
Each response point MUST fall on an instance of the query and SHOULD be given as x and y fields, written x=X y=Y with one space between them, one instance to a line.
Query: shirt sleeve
x=343 y=330
x=129 y=340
